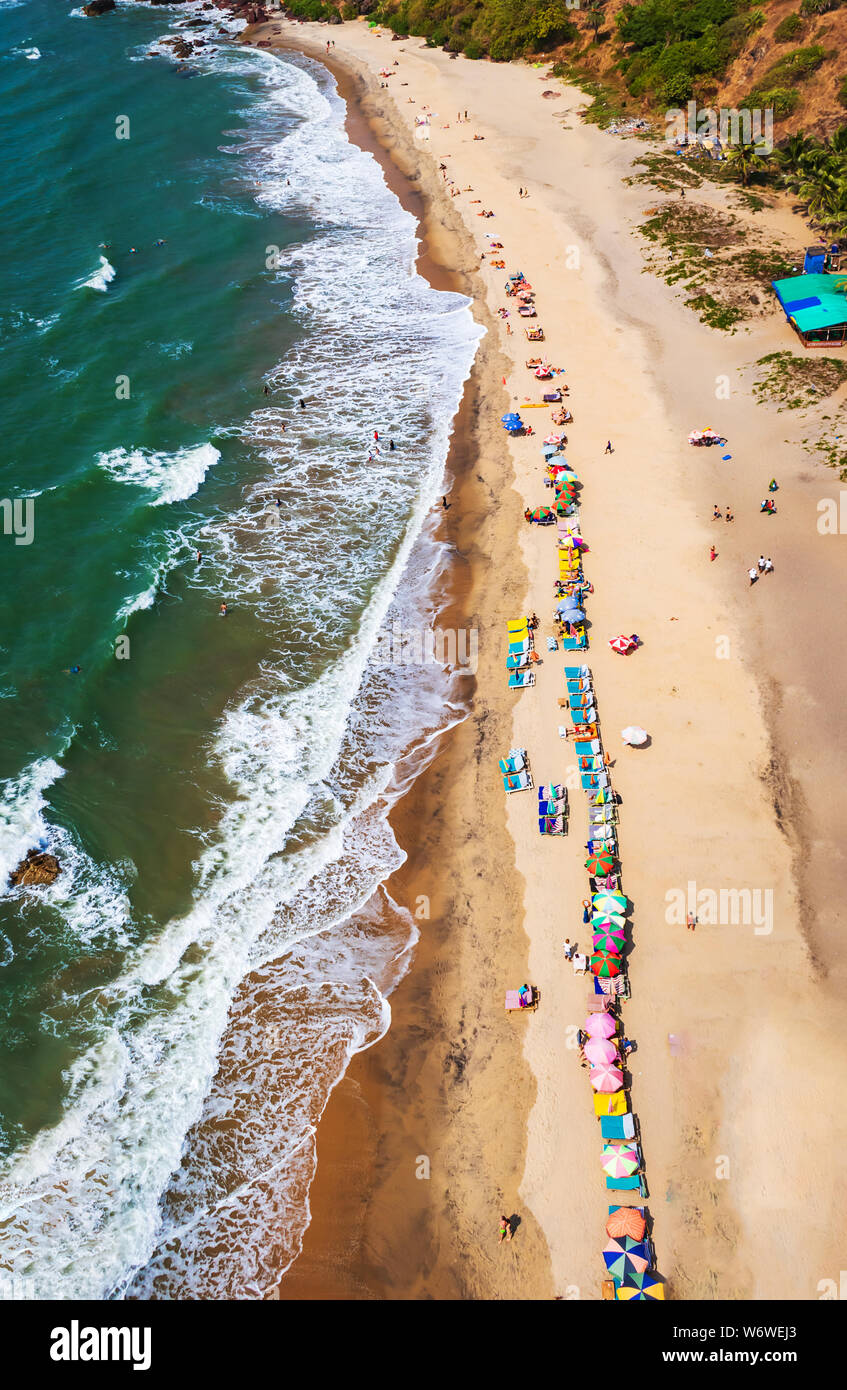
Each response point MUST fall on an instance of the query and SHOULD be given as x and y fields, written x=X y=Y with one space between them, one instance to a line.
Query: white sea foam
x=136 y=1177
x=172 y=477
x=101 y=279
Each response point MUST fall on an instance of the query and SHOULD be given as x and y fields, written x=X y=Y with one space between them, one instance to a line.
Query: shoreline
x=344 y=1254
x=735 y=759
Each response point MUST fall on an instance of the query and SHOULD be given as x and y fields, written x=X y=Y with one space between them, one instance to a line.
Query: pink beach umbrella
x=622 y=645
x=606 y=1077
x=600 y=1025
x=599 y=1050
x=620 y=1160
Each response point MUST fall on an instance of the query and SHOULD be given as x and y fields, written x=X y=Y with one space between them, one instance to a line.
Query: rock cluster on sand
x=36 y=868
x=98 y=7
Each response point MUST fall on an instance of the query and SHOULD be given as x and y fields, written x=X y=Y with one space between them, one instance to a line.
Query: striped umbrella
x=615 y=902
x=599 y=1050
x=621 y=645
x=600 y=1025
x=626 y=1221
x=641 y=1288
x=605 y=1077
x=601 y=862
x=604 y=941
x=541 y=514
x=620 y=1160
x=602 y=798
x=625 y=1256
x=563 y=505
x=604 y=918
x=601 y=963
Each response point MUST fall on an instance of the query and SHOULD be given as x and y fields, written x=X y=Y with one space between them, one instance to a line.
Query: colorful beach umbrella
x=620 y=1160
x=622 y=645
x=634 y=735
x=601 y=1050
x=600 y=863
x=541 y=514
x=615 y=902
x=604 y=797
x=563 y=505
x=607 y=920
x=604 y=964
x=604 y=941
x=626 y=1221
x=641 y=1288
x=625 y=1256
x=606 y=1078
x=600 y=1025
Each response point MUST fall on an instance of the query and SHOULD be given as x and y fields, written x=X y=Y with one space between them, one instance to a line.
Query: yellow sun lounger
x=517 y=624
x=611 y=1105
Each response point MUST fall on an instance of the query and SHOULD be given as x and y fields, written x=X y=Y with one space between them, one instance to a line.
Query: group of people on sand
x=768 y=506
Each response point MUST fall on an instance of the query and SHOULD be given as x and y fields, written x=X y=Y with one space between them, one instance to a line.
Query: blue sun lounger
x=634 y=1184
x=617 y=1126
x=516 y=762
x=519 y=679
x=518 y=660
x=572 y=672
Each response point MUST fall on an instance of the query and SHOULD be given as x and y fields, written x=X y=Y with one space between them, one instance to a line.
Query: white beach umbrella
x=634 y=735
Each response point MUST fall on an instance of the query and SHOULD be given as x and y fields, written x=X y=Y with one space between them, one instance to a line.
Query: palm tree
x=594 y=20
x=748 y=159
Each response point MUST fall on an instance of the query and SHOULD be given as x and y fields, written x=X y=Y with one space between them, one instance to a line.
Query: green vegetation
x=814 y=7
x=788 y=28
x=498 y=29
x=673 y=46
x=816 y=171
x=842 y=92
x=795 y=383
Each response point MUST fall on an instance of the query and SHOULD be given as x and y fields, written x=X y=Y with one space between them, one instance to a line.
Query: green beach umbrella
x=541 y=514
x=563 y=504
x=600 y=863
x=604 y=965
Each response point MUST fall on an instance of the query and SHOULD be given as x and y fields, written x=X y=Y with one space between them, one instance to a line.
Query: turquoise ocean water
x=214 y=788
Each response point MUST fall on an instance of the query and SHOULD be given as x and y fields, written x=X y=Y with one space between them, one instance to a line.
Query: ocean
x=177 y=1006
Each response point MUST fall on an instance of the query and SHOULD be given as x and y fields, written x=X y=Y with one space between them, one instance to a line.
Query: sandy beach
x=740 y=788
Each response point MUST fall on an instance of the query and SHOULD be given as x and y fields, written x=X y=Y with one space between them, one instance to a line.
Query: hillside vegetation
x=647 y=55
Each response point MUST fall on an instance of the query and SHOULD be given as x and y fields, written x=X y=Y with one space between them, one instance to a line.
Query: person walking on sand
x=445 y=504
x=608 y=448
x=505 y=1229
x=753 y=575
x=570 y=947
x=761 y=564
x=586 y=912
x=769 y=565
x=223 y=610
x=713 y=554
x=729 y=516
x=691 y=921
x=716 y=514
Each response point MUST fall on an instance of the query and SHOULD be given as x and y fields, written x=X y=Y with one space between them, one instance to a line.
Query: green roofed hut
x=816 y=307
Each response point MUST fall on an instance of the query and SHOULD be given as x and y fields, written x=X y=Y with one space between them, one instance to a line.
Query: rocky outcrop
x=98 y=7
x=36 y=868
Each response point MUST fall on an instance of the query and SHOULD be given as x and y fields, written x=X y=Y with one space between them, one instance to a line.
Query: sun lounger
x=586 y=746
x=523 y=644
x=583 y=699
x=551 y=825
x=602 y=815
x=518 y=625
x=580 y=964
x=519 y=679
x=582 y=731
x=517 y=660
x=605 y=1104
x=517 y=781
x=516 y=999
x=617 y=1126
x=579 y=685
x=575 y=644
x=573 y=672
x=515 y=762
x=634 y=1184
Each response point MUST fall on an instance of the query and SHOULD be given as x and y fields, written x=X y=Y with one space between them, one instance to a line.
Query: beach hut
x=816 y=308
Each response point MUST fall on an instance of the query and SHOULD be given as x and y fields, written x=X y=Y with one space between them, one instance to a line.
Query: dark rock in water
x=36 y=868
x=98 y=7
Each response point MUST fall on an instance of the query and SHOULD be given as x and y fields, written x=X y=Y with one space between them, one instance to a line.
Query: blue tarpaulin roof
x=813 y=301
